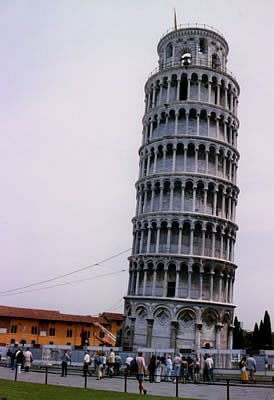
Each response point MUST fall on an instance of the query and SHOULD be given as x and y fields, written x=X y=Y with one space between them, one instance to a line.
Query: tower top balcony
x=193 y=44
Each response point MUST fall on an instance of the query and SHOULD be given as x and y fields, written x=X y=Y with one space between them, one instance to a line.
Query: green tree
x=255 y=337
x=238 y=337
x=267 y=331
x=261 y=338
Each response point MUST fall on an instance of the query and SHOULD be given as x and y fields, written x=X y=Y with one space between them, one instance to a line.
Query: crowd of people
x=19 y=359
x=103 y=365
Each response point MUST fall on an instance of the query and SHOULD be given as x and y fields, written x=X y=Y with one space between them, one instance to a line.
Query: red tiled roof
x=112 y=316
x=50 y=315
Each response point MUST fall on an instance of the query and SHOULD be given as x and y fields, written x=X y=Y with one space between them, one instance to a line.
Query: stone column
x=220 y=287
x=187 y=116
x=196 y=160
x=149 y=332
x=188 y=88
x=178 y=89
x=152 y=199
x=198 y=328
x=173 y=334
x=145 y=280
x=199 y=89
x=203 y=241
x=207 y=151
x=191 y=240
x=158 y=238
x=209 y=91
x=148 y=239
x=164 y=158
x=165 y=281
x=145 y=201
x=201 y=282
x=218 y=94
x=208 y=125
x=176 y=123
x=168 y=90
x=171 y=196
x=132 y=331
x=185 y=158
x=180 y=239
x=141 y=241
x=174 y=159
x=226 y=289
x=213 y=242
x=161 y=93
x=177 y=281
x=182 y=197
x=168 y=237
x=137 y=281
x=161 y=196
x=194 y=198
x=215 y=202
x=154 y=280
x=229 y=345
x=198 y=124
x=211 y=286
x=153 y=97
x=148 y=165
x=155 y=163
x=189 y=282
x=216 y=164
x=205 y=199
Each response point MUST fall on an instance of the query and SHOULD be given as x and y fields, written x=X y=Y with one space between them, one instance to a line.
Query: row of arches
x=190 y=121
x=198 y=158
x=191 y=86
x=190 y=196
x=184 y=238
x=206 y=281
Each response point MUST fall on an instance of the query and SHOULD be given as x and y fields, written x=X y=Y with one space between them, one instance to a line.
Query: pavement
x=194 y=391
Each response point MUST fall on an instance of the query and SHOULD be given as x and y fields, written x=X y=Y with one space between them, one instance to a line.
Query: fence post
x=227 y=389
x=177 y=382
x=86 y=377
x=15 y=378
x=46 y=377
x=125 y=382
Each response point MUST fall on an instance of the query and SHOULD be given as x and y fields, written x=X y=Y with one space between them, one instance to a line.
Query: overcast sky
x=71 y=103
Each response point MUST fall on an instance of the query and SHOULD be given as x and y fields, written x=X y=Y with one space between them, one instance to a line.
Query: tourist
x=169 y=368
x=8 y=358
x=117 y=364
x=152 y=367
x=128 y=361
x=190 y=364
x=158 y=370
x=205 y=370
x=86 y=363
x=140 y=376
x=111 y=363
x=242 y=366
x=104 y=357
x=163 y=367
x=197 y=367
x=19 y=357
x=184 y=368
x=176 y=365
x=209 y=363
x=28 y=360
x=251 y=367
x=13 y=360
x=65 y=358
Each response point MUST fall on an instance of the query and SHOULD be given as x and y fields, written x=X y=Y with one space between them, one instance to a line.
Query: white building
x=182 y=270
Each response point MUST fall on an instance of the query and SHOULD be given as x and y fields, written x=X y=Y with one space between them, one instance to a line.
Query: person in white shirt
x=169 y=368
x=251 y=367
x=128 y=361
x=209 y=364
x=86 y=364
x=111 y=362
x=28 y=360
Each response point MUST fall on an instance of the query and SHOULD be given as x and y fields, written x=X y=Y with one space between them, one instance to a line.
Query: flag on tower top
x=175 y=20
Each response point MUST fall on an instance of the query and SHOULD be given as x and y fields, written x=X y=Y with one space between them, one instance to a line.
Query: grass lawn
x=34 y=391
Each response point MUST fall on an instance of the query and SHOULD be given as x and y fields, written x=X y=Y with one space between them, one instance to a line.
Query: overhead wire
x=66 y=274
x=64 y=283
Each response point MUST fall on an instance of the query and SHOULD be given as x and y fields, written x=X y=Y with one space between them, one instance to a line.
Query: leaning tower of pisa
x=182 y=270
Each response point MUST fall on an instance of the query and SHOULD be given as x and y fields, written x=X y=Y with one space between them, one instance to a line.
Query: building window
x=12 y=341
x=87 y=334
x=33 y=342
x=34 y=330
x=51 y=343
x=69 y=323
x=87 y=325
x=69 y=332
x=51 y=332
x=171 y=289
x=68 y=343
x=13 y=328
x=118 y=323
x=102 y=334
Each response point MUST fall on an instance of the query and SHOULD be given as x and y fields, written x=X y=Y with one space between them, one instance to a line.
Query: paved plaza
x=201 y=391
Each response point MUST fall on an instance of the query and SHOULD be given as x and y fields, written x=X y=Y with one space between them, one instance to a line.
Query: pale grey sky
x=71 y=105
